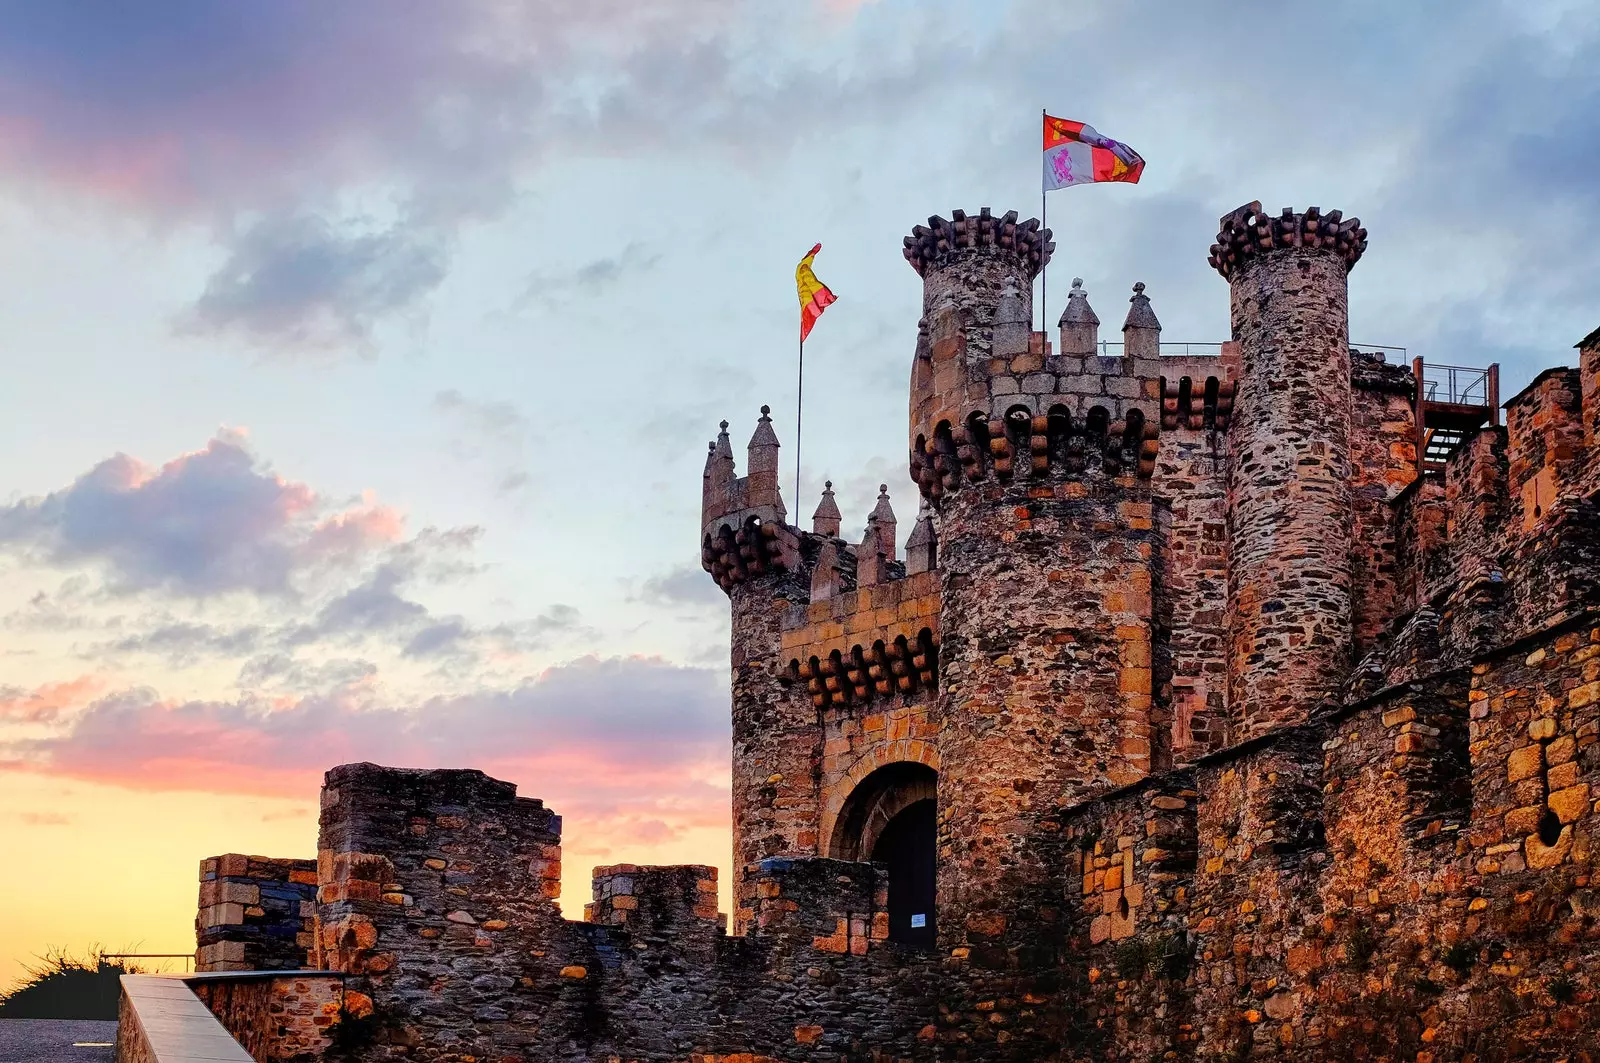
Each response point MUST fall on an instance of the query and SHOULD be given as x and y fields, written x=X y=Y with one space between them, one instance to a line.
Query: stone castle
x=1241 y=704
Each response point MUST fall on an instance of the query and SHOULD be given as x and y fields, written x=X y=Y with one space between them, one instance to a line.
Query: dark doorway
x=906 y=849
x=891 y=819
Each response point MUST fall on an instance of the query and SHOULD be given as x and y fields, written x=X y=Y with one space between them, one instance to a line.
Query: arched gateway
x=890 y=818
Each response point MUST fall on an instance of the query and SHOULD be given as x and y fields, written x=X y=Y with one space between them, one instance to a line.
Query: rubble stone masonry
x=1194 y=720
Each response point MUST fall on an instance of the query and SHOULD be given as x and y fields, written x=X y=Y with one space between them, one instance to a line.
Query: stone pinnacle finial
x=1078 y=310
x=1141 y=332
x=764 y=435
x=1140 y=315
x=883 y=511
x=827 y=519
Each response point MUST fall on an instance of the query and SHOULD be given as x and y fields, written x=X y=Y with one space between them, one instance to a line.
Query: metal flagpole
x=1044 y=218
x=799 y=391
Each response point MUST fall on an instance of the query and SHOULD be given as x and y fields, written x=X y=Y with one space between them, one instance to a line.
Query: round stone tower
x=1037 y=467
x=1289 y=527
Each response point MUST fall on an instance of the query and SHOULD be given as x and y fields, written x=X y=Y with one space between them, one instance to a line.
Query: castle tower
x=1290 y=627
x=1038 y=471
x=754 y=556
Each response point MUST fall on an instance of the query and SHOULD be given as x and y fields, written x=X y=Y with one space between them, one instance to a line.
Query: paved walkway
x=54 y=1040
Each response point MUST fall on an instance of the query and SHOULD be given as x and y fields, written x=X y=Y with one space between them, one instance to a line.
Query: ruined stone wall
x=437 y=904
x=1130 y=868
x=256 y=913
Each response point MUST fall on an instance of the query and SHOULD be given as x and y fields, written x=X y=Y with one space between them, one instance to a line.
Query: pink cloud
x=207 y=522
x=48 y=702
x=625 y=745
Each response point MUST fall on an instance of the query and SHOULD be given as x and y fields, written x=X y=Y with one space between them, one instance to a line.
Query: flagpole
x=1044 y=264
x=799 y=391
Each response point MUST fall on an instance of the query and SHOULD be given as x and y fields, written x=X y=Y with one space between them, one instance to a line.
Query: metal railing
x=123 y=958
x=1169 y=349
x=1212 y=348
x=1458 y=385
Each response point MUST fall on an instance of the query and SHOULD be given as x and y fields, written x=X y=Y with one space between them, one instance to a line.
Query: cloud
x=43 y=819
x=685 y=585
x=302 y=282
x=206 y=523
x=636 y=739
x=270 y=124
x=489 y=425
x=46 y=704
x=186 y=642
x=548 y=289
x=285 y=672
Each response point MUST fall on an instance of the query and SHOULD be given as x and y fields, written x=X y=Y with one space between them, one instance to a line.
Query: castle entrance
x=890 y=819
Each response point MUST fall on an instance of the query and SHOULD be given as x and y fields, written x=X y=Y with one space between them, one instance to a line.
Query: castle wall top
x=1247 y=232
x=936 y=244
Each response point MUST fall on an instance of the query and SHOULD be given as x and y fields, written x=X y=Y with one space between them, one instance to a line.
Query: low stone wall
x=277 y=1018
x=248 y=1017
x=160 y=1020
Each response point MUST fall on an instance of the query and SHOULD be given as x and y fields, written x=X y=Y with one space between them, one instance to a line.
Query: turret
x=1036 y=470
x=756 y=557
x=1290 y=625
x=742 y=529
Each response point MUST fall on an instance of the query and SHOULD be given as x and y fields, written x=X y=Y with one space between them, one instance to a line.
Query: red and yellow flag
x=814 y=295
x=1074 y=154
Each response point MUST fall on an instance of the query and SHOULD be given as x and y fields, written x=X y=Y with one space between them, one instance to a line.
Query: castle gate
x=890 y=818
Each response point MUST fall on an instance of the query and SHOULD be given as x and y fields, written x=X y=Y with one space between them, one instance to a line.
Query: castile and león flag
x=1075 y=153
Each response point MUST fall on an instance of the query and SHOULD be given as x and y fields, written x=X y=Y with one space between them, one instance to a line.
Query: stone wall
x=277 y=1018
x=256 y=913
x=1412 y=878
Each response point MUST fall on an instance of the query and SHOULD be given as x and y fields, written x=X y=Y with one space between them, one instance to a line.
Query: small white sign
x=919 y=920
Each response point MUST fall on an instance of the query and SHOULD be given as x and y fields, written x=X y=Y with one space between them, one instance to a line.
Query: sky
x=360 y=357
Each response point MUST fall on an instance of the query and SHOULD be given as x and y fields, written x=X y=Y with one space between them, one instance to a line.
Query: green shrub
x=62 y=986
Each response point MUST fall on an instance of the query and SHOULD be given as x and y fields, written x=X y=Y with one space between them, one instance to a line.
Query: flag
x=1074 y=154
x=814 y=295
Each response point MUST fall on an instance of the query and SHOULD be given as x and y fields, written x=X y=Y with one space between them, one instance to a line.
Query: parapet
x=1246 y=232
x=935 y=244
x=256 y=913
x=656 y=901
x=837 y=906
